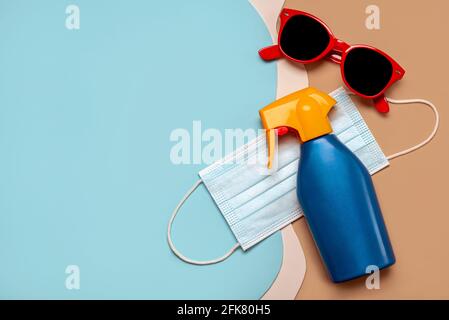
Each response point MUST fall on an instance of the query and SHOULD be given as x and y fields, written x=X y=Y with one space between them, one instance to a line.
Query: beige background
x=413 y=191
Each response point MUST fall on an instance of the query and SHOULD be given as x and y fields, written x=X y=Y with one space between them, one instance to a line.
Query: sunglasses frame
x=337 y=52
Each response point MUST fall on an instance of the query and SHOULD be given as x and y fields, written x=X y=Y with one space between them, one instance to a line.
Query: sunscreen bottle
x=334 y=188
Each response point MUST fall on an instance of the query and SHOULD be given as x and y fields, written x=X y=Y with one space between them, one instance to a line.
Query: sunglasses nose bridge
x=340 y=46
x=337 y=51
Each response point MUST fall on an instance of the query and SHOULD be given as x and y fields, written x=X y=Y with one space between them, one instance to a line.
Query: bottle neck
x=323 y=136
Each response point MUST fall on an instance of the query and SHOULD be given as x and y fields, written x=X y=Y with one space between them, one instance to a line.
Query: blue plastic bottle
x=334 y=188
x=342 y=211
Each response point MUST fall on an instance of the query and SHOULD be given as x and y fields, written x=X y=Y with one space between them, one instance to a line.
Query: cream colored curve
x=290 y=78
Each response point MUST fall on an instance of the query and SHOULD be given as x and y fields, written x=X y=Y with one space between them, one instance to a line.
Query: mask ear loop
x=172 y=245
x=429 y=138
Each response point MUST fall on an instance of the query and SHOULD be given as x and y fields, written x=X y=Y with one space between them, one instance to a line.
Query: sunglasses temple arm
x=335 y=57
x=337 y=51
x=270 y=53
x=381 y=104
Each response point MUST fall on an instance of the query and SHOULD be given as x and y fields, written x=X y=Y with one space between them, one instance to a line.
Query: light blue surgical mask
x=256 y=204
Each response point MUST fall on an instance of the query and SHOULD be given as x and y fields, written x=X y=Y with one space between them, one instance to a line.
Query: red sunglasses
x=366 y=70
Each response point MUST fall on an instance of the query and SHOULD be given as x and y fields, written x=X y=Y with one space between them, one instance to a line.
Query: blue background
x=85 y=119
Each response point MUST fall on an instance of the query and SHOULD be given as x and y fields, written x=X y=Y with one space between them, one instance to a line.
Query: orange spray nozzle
x=304 y=111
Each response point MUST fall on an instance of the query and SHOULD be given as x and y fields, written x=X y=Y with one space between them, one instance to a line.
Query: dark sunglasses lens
x=367 y=71
x=304 y=38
